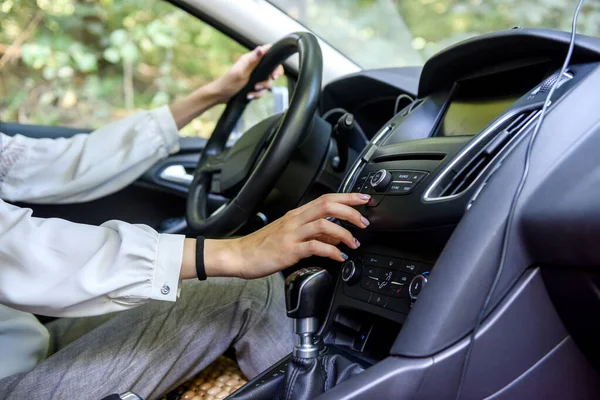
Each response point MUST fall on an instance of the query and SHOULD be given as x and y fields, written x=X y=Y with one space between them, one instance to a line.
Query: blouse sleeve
x=86 y=166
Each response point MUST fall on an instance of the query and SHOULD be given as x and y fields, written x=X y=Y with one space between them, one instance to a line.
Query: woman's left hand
x=238 y=75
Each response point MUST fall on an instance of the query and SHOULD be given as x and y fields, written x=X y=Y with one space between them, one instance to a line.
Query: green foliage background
x=83 y=63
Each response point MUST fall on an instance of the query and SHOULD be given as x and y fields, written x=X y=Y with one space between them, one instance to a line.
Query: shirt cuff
x=169 y=254
x=168 y=128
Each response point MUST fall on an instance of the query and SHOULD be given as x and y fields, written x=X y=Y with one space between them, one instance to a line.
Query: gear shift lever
x=311 y=370
x=306 y=291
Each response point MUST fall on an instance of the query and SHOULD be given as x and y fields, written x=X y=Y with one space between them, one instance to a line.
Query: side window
x=84 y=63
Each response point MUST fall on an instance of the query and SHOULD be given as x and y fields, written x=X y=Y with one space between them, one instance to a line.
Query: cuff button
x=165 y=289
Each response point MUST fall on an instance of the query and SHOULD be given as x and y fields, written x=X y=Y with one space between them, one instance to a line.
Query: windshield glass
x=394 y=33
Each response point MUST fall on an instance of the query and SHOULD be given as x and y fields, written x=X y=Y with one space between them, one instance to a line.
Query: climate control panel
x=386 y=282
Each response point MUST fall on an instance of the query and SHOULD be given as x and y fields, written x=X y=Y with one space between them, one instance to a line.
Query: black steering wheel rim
x=295 y=121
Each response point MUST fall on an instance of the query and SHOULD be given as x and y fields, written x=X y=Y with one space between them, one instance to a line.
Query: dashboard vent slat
x=475 y=161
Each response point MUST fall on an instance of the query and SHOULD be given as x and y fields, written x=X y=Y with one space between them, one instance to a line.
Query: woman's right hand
x=301 y=233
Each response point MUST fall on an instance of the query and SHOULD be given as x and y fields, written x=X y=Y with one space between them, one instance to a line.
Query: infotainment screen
x=476 y=102
x=470 y=116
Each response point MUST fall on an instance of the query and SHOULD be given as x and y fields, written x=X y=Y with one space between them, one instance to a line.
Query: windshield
x=394 y=33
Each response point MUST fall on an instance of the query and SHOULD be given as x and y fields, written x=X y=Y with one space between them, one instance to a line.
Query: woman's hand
x=223 y=88
x=300 y=233
x=237 y=77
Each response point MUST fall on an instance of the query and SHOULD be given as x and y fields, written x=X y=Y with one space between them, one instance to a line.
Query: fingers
x=328 y=240
x=277 y=72
x=334 y=210
x=262 y=88
x=316 y=248
x=335 y=205
x=331 y=230
x=256 y=95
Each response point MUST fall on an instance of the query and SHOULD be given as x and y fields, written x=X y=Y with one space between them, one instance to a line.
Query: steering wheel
x=259 y=158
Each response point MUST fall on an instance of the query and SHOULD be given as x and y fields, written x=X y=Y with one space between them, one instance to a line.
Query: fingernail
x=258 y=87
x=364 y=196
x=250 y=97
x=365 y=221
x=356 y=242
x=258 y=51
x=344 y=255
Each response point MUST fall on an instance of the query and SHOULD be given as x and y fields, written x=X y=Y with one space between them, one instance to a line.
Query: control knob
x=416 y=285
x=351 y=272
x=381 y=180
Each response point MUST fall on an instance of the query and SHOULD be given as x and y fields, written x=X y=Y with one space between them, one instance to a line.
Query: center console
x=424 y=169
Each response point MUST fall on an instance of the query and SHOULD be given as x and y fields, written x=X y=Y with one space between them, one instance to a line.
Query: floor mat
x=217 y=381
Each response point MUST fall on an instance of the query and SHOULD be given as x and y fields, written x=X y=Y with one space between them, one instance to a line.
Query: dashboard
x=426 y=163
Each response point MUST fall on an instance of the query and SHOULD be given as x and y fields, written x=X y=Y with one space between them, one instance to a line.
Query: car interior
x=471 y=282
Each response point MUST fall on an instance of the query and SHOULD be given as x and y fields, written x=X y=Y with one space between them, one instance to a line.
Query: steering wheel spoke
x=212 y=164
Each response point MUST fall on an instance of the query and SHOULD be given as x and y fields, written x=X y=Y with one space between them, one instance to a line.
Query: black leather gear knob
x=307 y=292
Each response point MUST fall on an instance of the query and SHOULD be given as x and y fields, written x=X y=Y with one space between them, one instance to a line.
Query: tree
x=85 y=62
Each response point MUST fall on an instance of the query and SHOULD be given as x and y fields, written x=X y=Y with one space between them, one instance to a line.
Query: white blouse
x=59 y=268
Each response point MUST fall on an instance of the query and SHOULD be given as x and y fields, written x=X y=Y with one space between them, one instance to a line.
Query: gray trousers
x=156 y=347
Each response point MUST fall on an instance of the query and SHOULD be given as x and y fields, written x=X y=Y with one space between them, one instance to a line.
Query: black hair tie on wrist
x=200 y=269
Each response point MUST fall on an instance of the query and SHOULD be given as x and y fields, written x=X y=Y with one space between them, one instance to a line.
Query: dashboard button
x=398 y=305
x=381 y=180
x=375 y=260
x=370 y=270
x=415 y=267
x=369 y=283
x=375 y=200
x=399 y=291
x=378 y=300
x=384 y=280
x=351 y=272
x=416 y=286
x=393 y=263
x=359 y=182
x=401 y=175
x=416 y=176
x=384 y=274
x=400 y=187
x=402 y=278
x=409 y=266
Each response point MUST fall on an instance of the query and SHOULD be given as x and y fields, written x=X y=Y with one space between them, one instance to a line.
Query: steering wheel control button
x=381 y=180
x=379 y=300
x=350 y=272
x=416 y=285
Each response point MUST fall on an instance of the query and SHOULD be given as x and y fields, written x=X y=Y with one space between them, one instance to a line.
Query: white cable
x=513 y=204
x=397 y=103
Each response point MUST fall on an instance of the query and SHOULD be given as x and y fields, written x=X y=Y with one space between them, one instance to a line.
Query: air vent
x=474 y=161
